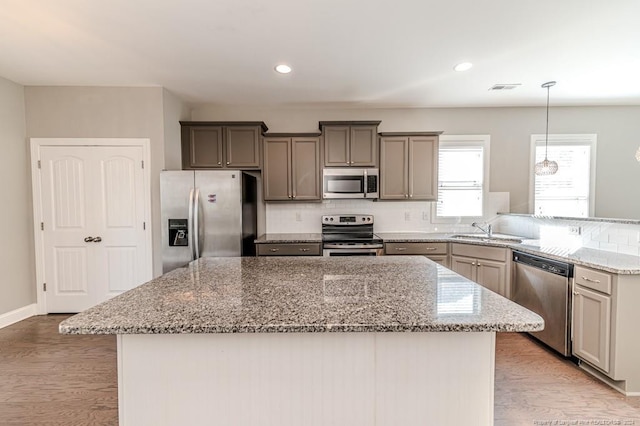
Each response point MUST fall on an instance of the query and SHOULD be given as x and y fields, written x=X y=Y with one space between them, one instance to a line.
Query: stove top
x=349 y=230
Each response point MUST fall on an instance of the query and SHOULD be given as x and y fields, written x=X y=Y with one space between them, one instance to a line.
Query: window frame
x=590 y=139
x=466 y=140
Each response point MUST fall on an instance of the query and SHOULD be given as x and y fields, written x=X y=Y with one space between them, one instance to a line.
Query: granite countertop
x=616 y=263
x=305 y=294
x=288 y=238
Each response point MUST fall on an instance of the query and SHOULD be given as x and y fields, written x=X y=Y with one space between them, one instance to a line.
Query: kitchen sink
x=498 y=238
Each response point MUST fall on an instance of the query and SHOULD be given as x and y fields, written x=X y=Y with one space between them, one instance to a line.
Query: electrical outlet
x=407 y=216
x=298 y=217
x=575 y=230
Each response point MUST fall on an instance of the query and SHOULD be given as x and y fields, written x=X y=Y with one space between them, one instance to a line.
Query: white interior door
x=93 y=214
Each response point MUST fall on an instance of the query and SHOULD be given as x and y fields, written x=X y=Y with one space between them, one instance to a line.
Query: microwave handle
x=366 y=183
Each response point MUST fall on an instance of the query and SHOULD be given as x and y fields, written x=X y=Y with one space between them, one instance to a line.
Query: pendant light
x=638 y=154
x=546 y=167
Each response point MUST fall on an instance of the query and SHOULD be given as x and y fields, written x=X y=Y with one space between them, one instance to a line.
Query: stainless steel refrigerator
x=209 y=213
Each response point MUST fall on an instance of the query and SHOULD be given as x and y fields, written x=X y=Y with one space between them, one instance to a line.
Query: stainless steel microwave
x=350 y=182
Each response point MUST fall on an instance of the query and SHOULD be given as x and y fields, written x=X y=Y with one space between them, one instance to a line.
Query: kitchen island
x=306 y=341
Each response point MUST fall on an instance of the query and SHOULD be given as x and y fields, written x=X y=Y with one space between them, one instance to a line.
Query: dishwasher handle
x=548 y=265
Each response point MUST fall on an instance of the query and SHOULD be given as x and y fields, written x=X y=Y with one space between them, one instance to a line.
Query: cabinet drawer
x=595 y=280
x=471 y=250
x=415 y=248
x=298 y=249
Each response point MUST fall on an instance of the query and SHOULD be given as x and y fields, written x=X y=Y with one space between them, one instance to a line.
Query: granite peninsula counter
x=314 y=340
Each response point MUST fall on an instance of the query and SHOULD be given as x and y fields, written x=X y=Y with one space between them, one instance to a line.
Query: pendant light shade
x=638 y=154
x=546 y=167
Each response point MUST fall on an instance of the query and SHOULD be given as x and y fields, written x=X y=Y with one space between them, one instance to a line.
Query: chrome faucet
x=488 y=231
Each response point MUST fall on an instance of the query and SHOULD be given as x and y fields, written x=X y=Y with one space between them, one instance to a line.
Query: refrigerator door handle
x=190 y=231
x=196 y=223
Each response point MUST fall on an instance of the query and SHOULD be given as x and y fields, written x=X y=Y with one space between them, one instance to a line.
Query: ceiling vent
x=509 y=86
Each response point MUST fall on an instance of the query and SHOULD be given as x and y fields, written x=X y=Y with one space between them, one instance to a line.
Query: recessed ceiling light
x=464 y=66
x=283 y=69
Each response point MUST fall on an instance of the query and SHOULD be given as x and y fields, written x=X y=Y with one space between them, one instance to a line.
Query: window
x=569 y=192
x=462 y=171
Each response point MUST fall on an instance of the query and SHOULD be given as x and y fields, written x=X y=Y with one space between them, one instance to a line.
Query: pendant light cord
x=546 y=134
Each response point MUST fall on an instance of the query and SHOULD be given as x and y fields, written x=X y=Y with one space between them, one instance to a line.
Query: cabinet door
x=441 y=259
x=242 y=147
x=423 y=168
x=202 y=147
x=464 y=266
x=305 y=168
x=277 y=169
x=364 y=146
x=336 y=146
x=591 y=327
x=393 y=168
x=492 y=275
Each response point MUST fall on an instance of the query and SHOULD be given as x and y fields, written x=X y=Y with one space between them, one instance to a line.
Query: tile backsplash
x=574 y=233
x=390 y=216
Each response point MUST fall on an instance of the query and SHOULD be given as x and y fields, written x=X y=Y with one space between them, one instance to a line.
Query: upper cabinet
x=350 y=143
x=291 y=169
x=409 y=166
x=215 y=145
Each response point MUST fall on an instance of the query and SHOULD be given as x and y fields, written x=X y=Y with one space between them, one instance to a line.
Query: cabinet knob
x=219 y=162
x=575 y=293
x=473 y=263
x=479 y=264
x=410 y=195
x=228 y=163
x=406 y=196
x=88 y=240
x=97 y=239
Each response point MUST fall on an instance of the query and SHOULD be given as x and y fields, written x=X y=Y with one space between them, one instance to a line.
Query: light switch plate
x=575 y=230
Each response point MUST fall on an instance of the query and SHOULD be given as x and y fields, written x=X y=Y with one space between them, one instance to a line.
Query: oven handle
x=352 y=247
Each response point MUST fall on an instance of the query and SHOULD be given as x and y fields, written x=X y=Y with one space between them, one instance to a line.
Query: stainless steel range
x=350 y=235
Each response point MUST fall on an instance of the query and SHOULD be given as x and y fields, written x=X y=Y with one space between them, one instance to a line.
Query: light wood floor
x=48 y=378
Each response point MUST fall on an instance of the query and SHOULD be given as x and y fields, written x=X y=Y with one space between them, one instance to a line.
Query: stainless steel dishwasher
x=544 y=287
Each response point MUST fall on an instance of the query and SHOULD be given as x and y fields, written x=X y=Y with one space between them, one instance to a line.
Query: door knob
x=97 y=239
x=88 y=239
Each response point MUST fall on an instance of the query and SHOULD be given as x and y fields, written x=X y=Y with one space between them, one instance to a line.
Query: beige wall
x=174 y=110
x=120 y=112
x=17 y=285
x=510 y=129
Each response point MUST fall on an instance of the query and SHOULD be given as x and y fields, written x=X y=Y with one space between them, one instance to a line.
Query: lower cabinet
x=486 y=266
x=289 y=249
x=592 y=317
x=434 y=251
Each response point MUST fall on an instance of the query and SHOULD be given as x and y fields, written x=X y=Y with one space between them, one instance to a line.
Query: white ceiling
x=344 y=53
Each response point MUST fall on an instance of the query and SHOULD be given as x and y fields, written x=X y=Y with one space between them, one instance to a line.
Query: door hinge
x=44 y=286
x=39 y=164
x=142 y=164
x=42 y=226
x=144 y=226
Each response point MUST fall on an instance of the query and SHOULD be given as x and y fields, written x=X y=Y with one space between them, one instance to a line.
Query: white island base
x=307 y=379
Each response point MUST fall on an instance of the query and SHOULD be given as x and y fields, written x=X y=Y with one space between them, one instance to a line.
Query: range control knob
x=331 y=219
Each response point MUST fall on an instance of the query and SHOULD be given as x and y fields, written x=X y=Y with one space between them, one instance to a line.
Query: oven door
x=352 y=252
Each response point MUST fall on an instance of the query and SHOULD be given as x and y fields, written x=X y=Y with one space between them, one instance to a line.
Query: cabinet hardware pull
x=273 y=249
x=88 y=239
x=590 y=280
x=430 y=248
x=97 y=239
x=304 y=249
x=401 y=248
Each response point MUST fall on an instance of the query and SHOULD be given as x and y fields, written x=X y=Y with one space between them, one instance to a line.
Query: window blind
x=460 y=180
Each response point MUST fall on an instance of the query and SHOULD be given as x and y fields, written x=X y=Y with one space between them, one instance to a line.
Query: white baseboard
x=17 y=315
